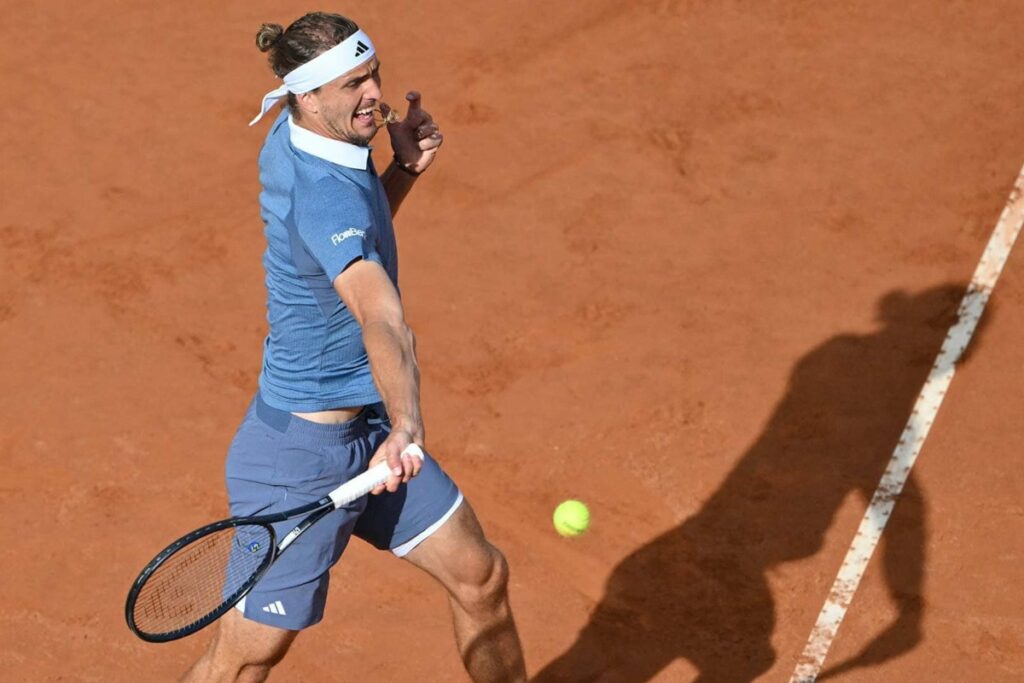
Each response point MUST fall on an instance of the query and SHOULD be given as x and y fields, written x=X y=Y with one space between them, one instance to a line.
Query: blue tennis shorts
x=278 y=461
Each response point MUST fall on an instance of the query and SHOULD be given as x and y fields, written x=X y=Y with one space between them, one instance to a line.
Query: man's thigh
x=456 y=554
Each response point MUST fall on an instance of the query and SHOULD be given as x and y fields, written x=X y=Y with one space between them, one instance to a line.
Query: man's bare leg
x=243 y=651
x=475 y=574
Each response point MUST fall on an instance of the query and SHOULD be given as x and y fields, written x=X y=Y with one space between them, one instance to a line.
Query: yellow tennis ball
x=571 y=518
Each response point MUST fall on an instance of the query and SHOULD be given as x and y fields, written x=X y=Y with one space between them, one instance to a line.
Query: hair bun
x=268 y=35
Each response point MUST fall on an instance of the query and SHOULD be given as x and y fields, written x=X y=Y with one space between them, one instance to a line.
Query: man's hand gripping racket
x=195 y=580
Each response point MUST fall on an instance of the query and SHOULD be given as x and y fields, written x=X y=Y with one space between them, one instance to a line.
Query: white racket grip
x=359 y=486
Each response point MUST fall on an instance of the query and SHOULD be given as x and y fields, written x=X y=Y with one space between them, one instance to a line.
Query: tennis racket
x=195 y=580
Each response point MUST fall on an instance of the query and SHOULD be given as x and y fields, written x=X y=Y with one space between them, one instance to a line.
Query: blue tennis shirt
x=323 y=207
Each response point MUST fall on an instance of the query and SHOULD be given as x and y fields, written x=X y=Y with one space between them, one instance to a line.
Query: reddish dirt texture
x=688 y=261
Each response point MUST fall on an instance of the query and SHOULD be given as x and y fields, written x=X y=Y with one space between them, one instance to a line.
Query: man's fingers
x=395 y=461
x=432 y=142
x=426 y=130
x=413 y=464
x=416 y=116
x=412 y=460
x=403 y=464
x=408 y=467
x=413 y=96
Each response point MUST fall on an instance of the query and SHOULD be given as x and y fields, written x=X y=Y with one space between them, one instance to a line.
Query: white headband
x=324 y=68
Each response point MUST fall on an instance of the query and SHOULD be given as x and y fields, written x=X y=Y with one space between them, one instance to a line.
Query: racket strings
x=200 y=577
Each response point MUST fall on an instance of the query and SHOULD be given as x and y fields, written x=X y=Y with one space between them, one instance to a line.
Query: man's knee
x=473 y=571
x=483 y=584
x=243 y=651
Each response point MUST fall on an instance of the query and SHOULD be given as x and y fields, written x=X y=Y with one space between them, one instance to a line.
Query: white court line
x=914 y=434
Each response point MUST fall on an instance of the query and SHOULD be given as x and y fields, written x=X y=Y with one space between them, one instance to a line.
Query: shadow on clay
x=700 y=590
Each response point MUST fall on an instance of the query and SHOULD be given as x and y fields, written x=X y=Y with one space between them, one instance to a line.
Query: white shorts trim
x=405 y=548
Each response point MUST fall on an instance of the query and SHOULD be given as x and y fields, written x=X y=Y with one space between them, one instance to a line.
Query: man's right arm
x=373 y=300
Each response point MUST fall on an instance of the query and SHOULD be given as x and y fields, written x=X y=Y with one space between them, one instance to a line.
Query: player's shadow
x=700 y=591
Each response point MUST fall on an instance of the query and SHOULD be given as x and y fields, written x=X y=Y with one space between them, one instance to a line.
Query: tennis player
x=339 y=387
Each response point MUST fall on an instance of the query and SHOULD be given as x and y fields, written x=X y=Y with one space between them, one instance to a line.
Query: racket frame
x=344 y=494
x=323 y=506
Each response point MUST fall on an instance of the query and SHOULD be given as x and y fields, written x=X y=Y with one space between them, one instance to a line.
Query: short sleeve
x=335 y=223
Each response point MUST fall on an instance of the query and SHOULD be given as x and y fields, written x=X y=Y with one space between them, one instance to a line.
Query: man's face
x=345 y=105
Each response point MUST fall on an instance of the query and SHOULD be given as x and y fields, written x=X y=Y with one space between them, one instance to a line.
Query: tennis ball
x=571 y=518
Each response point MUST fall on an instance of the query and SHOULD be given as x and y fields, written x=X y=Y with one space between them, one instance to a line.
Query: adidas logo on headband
x=361 y=47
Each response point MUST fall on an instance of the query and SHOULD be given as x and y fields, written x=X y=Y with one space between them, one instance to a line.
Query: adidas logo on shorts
x=275 y=608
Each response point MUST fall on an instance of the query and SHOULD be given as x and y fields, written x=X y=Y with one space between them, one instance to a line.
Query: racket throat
x=290 y=538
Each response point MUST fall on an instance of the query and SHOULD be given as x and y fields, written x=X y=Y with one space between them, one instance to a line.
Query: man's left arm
x=415 y=140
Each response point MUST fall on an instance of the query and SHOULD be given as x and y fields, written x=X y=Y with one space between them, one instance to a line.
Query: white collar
x=336 y=151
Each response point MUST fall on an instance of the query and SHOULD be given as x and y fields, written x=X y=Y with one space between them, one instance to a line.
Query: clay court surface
x=688 y=261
